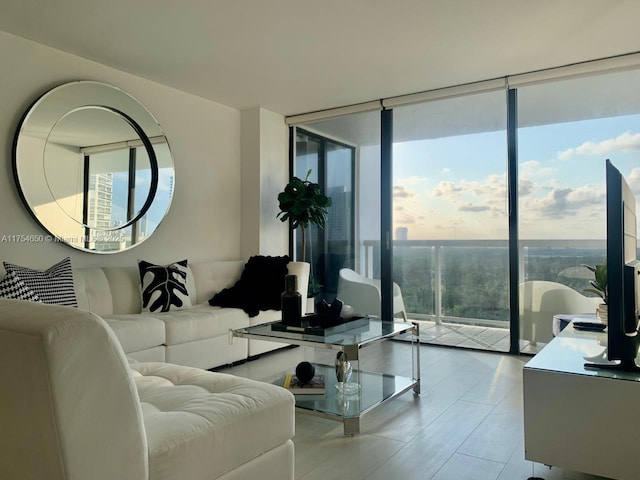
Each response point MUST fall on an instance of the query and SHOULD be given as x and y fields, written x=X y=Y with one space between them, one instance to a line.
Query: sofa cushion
x=202 y=424
x=137 y=331
x=93 y=291
x=164 y=287
x=212 y=276
x=200 y=322
x=53 y=285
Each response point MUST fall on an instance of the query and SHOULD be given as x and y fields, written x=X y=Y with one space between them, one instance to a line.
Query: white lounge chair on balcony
x=541 y=300
x=363 y=294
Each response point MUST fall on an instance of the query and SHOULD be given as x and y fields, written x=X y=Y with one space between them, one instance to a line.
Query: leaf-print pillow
x=164 y=288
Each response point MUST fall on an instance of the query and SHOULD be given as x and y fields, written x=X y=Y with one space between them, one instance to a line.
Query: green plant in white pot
x=303 y=203
x=599 y=288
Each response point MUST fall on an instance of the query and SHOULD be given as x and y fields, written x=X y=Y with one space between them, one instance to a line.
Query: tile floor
x=471 y=336
x=466 y=424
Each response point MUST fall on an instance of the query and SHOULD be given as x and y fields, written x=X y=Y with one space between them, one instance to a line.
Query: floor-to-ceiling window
x=451 y=211
x=567 y=129
x=330 y=163
x=450 y=217
x=118 y=185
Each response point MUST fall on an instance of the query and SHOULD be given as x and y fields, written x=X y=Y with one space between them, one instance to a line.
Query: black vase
x=291 y=302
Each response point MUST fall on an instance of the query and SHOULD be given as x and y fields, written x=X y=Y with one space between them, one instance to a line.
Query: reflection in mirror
x=116 y=155
x=99 y=175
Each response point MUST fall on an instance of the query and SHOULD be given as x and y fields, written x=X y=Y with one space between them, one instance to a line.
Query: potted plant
x=599 y=288
x=302 y=202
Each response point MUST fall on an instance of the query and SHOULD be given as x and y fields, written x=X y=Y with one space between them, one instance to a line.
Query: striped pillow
x=12 y=287
x=53 y=286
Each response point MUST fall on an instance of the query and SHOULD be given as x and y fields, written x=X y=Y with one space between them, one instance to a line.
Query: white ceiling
x=296 y=56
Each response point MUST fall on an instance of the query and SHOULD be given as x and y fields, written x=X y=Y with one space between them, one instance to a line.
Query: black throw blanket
x=259 y=287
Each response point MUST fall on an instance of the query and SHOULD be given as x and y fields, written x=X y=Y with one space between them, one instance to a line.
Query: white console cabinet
x=581 y=419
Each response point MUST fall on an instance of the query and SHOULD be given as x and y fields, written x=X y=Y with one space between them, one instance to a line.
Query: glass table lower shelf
x=371 y=391
x=375 y=388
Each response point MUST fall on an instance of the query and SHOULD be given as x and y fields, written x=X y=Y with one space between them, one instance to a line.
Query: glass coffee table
x=366 y=390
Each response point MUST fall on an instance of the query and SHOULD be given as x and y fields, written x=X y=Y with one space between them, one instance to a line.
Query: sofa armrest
x=68 y=407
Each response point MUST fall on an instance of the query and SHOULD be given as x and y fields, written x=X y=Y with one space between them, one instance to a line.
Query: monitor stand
x=601 y=362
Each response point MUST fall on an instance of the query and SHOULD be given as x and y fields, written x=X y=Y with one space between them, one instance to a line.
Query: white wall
x=204 y=219
x=265 y=172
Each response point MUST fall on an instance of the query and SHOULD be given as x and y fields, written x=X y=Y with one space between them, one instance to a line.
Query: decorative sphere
x=305 y=372
x=347 y=311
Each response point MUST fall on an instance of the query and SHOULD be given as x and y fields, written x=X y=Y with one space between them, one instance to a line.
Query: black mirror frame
x=144 y=138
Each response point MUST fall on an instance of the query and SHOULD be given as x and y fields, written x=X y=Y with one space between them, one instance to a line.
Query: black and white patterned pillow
x=53 y=286
x=164 y=288
x=12 y=287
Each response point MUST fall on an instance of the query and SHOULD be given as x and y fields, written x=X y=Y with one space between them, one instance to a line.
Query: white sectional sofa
x=196 y=336
x=73 y=408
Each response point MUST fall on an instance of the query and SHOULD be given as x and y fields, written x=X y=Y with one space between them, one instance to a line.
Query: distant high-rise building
x=100 y=195
x=339 y=214
x=402 y=233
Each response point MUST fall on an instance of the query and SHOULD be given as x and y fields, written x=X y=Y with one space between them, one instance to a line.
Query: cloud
x=489 y=195
x=401 y=192
x=567 y=202
x=404 y=219
x=450 y=224
x=625 y=142
x=525 y=187
x=412 y=180
x=532 y=168
x=495 y=186
x=633 y=179
x=445 y=189
x=474 y=208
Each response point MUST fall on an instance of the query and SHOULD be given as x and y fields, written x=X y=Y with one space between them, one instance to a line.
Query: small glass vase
x=343 y=368
x=602 y=313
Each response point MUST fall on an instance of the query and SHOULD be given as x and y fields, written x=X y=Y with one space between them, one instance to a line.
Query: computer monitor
x=623 y=269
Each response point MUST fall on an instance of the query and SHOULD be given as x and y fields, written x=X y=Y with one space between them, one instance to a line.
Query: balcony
x=459 y=289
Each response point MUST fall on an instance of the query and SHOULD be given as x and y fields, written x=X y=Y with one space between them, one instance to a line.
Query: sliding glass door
x=330 y=163
x=462 y=253
x=567 y=131
x=450 y=252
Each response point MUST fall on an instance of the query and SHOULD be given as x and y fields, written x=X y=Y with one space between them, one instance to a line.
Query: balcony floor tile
x=471 y=336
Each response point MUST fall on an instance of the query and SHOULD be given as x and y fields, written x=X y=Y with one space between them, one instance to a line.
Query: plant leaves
x=302 y=202
x=599 y=283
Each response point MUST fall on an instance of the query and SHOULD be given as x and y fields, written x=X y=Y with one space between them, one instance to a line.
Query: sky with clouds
x=455 y=187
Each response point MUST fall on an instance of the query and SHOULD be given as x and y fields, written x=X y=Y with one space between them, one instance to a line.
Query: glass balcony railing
x=467 y=281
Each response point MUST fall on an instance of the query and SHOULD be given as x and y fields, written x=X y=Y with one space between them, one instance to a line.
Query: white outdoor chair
x=363 y=294
x=541 y=300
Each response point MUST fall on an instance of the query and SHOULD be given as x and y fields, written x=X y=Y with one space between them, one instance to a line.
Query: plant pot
x=602 y=312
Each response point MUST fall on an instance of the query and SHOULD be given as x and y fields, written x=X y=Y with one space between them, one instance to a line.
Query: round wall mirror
x=93 y=167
